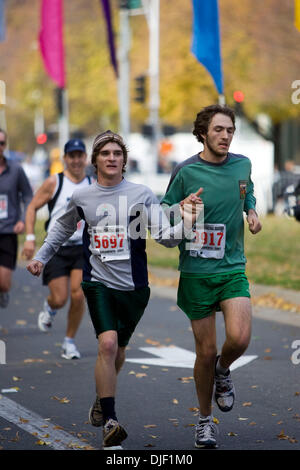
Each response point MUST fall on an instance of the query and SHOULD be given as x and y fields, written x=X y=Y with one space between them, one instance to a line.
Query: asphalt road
x=156 y=401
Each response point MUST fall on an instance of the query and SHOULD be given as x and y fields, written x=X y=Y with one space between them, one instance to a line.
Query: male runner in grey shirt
x=115 y=280
x=15 y=195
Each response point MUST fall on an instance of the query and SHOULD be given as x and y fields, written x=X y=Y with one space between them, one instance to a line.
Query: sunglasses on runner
x=2 y=142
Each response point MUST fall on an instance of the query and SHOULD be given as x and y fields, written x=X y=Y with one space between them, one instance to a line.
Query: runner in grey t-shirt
x=117 y=216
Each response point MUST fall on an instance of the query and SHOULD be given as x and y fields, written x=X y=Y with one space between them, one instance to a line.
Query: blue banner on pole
x=2 y=20
x=206 y=39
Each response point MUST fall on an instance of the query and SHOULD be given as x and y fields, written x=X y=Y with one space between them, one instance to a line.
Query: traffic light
x=41 y=139
x=238 y=97
x=140 y=89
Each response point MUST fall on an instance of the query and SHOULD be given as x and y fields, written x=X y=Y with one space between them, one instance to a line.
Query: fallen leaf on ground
x=175 y=401
x=15 y=439
x=185 y=379
x=61 y=400
x=150 y=425
x=247 y=403
x=232 y=434
x=282 y=436
x=272 y=300
x=30 y=360
x=42 y=443
x=151 y=341
x=140 y=374
x=22 y=420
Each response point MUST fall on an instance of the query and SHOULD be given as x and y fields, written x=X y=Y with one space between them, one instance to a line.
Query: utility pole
x=154 y=96
x=63 y=118
x=124 y=71
x=2 y=105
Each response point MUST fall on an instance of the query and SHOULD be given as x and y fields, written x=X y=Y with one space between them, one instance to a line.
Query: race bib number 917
x=212 y=239
x=110 y=243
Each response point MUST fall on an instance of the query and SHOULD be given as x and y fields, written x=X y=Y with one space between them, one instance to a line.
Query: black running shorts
x=8 y=250
x=113 y=309
x=63 y=262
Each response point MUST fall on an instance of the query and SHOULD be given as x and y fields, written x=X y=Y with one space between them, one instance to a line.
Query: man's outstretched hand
x=191 y=207
x=35 y=267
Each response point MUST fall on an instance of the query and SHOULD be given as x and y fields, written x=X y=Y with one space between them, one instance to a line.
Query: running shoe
x=4 y=299
x=95 y=413
x=224 y=390
x=206 y=434
x=45 y=321
x=70 y=351
x=113 y=434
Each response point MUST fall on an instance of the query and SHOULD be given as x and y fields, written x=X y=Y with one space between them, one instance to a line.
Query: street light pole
x=63 y=119
x=123 y=82
x=154 y=97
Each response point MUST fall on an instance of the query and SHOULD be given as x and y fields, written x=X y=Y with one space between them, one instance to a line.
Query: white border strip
x=36 y=425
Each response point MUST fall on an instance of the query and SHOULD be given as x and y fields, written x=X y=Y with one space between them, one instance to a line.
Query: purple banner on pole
x=110 y=34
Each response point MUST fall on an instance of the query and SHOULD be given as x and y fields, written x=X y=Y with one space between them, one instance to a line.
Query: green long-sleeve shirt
x=227 y=193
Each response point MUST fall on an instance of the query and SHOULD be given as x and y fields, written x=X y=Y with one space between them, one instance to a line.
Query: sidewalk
x=269 y=302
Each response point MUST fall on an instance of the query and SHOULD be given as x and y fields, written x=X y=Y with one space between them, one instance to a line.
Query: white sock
x=49 y=309
x=205 y=418
x=220 y=369
x=68 y=339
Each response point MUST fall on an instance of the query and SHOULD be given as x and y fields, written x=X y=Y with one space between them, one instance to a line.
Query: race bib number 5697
x=110 y=243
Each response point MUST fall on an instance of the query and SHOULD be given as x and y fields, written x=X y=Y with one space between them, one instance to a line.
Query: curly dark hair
x=204 y=118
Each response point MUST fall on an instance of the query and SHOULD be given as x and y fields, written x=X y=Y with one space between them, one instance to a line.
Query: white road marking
x=178 y=357
x=33 y=423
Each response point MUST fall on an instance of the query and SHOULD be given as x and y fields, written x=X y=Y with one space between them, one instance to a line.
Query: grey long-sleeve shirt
x=114 y=240
x=15 y=195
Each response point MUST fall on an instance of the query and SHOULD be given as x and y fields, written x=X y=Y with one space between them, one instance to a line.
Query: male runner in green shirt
x=212 y=266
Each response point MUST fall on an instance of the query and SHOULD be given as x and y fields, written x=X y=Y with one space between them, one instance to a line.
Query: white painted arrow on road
x=178 y=357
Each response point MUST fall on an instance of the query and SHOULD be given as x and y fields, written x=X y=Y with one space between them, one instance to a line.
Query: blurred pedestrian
x=64 y=270
x=15 y=195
